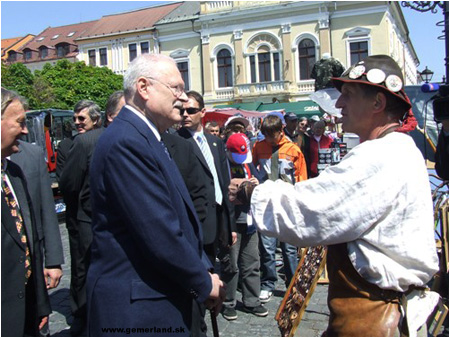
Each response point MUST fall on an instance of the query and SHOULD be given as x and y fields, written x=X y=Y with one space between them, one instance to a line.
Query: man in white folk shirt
x=373 y=210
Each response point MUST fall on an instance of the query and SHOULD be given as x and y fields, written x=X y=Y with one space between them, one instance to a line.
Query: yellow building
x=244 y=52
x=265 y=51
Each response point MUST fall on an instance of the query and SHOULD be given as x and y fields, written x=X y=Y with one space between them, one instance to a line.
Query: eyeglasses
x=191 y=111
x=79 y=118
x=176 y=91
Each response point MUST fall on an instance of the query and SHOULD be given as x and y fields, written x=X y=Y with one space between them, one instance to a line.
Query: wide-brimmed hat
x=377 y=70
x=237 y=119
x=238 y=146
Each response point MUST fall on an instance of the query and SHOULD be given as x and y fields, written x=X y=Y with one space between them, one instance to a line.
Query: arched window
x=224 y=68
x=306 y=58
x=43 y=52
x=62 y=49
x=12 y=56
x=264 y=58
x=27 y=54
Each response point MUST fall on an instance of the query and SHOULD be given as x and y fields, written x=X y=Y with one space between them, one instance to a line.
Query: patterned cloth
x=324 y=70
x=16 y=214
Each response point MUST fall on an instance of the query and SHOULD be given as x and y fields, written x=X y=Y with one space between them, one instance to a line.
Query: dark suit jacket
x=223 y=224
x=30 y=159
x=14 y=296
x=61 y=155
x=74 y=181
x=182 y=153
x=146 y=261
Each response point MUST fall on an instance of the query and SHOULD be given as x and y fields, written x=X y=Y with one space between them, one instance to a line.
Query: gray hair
x=93 y=110
x=145 y=65
x=8 y=96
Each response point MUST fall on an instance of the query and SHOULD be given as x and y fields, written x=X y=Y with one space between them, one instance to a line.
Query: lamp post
x=426 y=75
x=426 y=6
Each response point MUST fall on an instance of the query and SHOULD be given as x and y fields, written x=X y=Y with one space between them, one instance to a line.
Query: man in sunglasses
x=74 y=185
x=219 y=227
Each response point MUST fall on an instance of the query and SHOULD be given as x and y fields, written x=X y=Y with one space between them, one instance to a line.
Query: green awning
x=252 y=106
x=300 y=108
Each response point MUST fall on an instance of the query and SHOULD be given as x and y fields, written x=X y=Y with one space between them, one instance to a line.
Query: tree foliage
x=61 y=86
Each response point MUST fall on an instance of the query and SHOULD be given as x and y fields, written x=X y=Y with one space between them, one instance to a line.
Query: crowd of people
x=167 y=218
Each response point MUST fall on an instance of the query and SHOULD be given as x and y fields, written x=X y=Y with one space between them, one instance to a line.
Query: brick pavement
x=313 y=324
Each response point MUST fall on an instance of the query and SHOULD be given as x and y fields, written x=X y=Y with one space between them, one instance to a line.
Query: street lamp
x=426 y=75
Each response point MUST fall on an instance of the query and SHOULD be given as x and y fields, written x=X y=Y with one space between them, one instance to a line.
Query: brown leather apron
x=357 y=307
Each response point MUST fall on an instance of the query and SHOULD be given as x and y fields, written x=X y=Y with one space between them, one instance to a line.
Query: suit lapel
x=197 y=151
x=19 y=185
x=214 y=150
x=167 y=164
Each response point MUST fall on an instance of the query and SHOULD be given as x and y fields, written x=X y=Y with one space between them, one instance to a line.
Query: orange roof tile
x=51 y=36
x=130 y=21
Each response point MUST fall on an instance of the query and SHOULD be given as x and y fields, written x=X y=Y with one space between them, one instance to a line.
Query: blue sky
x=19 y=18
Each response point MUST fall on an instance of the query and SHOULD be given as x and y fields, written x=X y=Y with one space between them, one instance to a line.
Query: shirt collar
x=146 y=120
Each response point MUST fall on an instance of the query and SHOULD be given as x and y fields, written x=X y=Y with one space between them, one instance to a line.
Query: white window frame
x=89 y=58
x=214 y=53
x=295 y=44
x=100 y=57
x=357 y=34
x=182 y=55
x=137 y=50
x=272 y=50
x=140 y=47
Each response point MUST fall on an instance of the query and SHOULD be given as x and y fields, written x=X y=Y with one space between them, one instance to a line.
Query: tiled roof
x=6 y=43
x=54 y=35
x=14 y=44
x=130 y=21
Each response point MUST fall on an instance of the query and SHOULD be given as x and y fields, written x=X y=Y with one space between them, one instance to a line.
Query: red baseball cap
x=238 y=145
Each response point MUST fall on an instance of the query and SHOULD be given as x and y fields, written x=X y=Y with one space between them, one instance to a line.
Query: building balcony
x=305 y=86
x=262 y=88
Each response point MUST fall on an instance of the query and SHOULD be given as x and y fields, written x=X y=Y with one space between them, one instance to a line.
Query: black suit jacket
x=74 y=181
x=14 y=295
x=61 y=155
x=223 y=223
x=30 y=159
x=182 y=153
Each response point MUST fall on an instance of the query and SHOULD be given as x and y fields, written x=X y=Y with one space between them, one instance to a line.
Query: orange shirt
x=291 y=161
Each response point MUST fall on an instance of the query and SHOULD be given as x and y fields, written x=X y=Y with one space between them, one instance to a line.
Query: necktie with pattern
x=210 y=161
x=16 y=214
x=165 y=149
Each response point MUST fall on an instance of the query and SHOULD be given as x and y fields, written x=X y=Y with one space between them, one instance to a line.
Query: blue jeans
x=267 y=248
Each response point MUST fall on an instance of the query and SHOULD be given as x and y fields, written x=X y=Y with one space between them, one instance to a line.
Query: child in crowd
x=243 y=257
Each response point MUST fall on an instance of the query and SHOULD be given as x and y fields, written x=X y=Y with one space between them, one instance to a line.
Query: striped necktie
x=210 y=161
x=17 y=216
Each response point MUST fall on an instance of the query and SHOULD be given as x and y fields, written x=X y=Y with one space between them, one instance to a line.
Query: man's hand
x=53 y=276
x=217 y=294
x=233 y=238
x=44 y=320
x=234 y=187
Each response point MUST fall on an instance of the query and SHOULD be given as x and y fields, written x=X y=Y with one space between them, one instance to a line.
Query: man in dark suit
x=30 y=159
x=147 y=261
x=219 y=226
x=25 y=303
x=74 y=185
x=182 y=153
